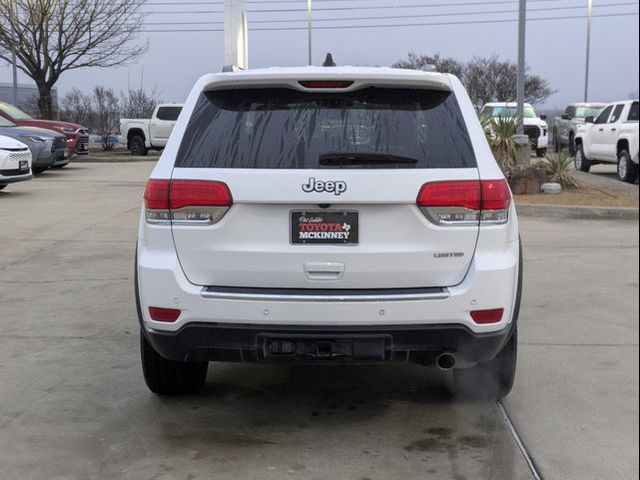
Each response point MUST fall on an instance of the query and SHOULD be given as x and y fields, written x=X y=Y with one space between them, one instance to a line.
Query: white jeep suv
x=328 y=215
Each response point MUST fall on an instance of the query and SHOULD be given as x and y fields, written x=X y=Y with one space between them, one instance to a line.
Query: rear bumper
x=372 y=344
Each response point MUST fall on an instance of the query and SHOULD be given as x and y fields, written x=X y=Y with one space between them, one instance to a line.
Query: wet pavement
x=73 y=404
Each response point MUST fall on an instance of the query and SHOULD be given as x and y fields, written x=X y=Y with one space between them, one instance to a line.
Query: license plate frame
x=23 y=166
x=324 y=227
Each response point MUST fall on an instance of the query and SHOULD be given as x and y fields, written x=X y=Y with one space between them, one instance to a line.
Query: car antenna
x=328 y=61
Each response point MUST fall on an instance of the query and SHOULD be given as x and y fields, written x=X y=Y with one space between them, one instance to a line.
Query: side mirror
x=566 y=116
x=543 y=117
x=588 y=119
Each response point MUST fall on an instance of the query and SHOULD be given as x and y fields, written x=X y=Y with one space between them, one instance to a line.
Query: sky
x=556 y=49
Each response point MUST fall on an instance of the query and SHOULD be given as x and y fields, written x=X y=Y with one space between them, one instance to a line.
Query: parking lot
x=73 y=404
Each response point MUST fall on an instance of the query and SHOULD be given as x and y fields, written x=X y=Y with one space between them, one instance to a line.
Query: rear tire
x=138 y=147
x=627 y=170
x=492 y=380
x=581 y=162
x=572 y=145
x=168 y=377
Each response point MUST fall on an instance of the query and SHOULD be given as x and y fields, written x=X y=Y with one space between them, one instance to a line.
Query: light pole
x=522 y=29
x=14 y=67
x=309 y=28
x=586 y=75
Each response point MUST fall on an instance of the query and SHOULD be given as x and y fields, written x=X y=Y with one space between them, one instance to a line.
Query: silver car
x=48 y=148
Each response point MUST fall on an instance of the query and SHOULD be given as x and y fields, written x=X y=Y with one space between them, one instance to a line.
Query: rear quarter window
x=169 y=114
x=289 y=129
x=633 y=112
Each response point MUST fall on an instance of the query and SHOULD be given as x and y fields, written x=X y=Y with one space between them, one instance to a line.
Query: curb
x=115 y=160
x=577 y=212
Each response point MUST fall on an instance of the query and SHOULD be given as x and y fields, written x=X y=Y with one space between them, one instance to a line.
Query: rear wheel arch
x=623 y=144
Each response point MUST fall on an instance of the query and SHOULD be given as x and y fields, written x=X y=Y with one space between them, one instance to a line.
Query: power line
x=333 y=9
x=429 y=15
x=341 y=27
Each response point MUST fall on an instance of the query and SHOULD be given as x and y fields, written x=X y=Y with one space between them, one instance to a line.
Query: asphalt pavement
x=73 y=404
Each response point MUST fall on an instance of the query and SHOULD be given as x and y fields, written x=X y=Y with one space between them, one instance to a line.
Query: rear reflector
x=487 y=316
x=186 y=201
x=164 y=314
x=325 y=83
x=465 y=202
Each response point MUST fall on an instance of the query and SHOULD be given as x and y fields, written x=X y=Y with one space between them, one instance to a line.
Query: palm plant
x=559 y=169
x=502 y=142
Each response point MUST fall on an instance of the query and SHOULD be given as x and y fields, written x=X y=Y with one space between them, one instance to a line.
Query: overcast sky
x=555 y=48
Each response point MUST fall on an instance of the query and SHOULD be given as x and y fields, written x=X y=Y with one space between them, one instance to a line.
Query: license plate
x=23 y=165
x=324 y=227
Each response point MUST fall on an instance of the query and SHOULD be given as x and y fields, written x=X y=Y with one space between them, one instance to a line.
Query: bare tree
x=139 y=103
x=76 y=107
x=51 y=37
x=421 y=62
x=106 y=106
x=486 y=79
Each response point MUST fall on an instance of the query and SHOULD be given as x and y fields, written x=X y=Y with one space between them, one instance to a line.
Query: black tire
x=2 y=187
x=168 y=377
x=493 y=380
x=137 y=146
x=59 y=166
x=572 y=145
x=38 y=170
x=627 y=170
x=556 y=142
x=541 y=152
x=580 y=161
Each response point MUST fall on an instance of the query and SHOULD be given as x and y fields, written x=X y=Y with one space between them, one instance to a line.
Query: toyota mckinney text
x=328 y=215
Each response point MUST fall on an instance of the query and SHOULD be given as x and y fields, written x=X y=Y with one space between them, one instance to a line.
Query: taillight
x=483 y=317
x=186 y=202
x=465 y=202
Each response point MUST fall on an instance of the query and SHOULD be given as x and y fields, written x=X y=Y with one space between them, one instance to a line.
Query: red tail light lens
x=483 y=317
x=464 y=194
x=495 y=195
x=186 y=201
x=465 y=202
x=156 y=194
x=195 y=193
x=326 y=84
x=168 y=315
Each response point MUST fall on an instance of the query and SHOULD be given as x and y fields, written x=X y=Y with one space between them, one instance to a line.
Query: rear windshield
x=288 y=129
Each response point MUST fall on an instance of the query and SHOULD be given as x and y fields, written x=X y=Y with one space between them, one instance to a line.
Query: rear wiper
x=364 y=159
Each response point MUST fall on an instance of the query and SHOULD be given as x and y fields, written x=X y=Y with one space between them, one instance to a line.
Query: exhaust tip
x=446 y=361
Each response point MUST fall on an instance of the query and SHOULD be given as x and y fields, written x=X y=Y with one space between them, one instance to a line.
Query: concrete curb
x=114 y=160
x=576 y=212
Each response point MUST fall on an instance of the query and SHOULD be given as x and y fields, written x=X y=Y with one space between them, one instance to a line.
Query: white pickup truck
x=150 y=134
x=612 y=137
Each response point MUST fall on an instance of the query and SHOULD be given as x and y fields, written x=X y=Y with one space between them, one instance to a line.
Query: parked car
x=566 y=126
x=612 y=137
x=150 y=134
x=15 y=161
x=77 y=136
x=329 y=216
x=48 y=148
x=535 y=127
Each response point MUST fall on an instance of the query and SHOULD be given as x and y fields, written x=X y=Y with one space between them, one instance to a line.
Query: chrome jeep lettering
x=337 y=187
